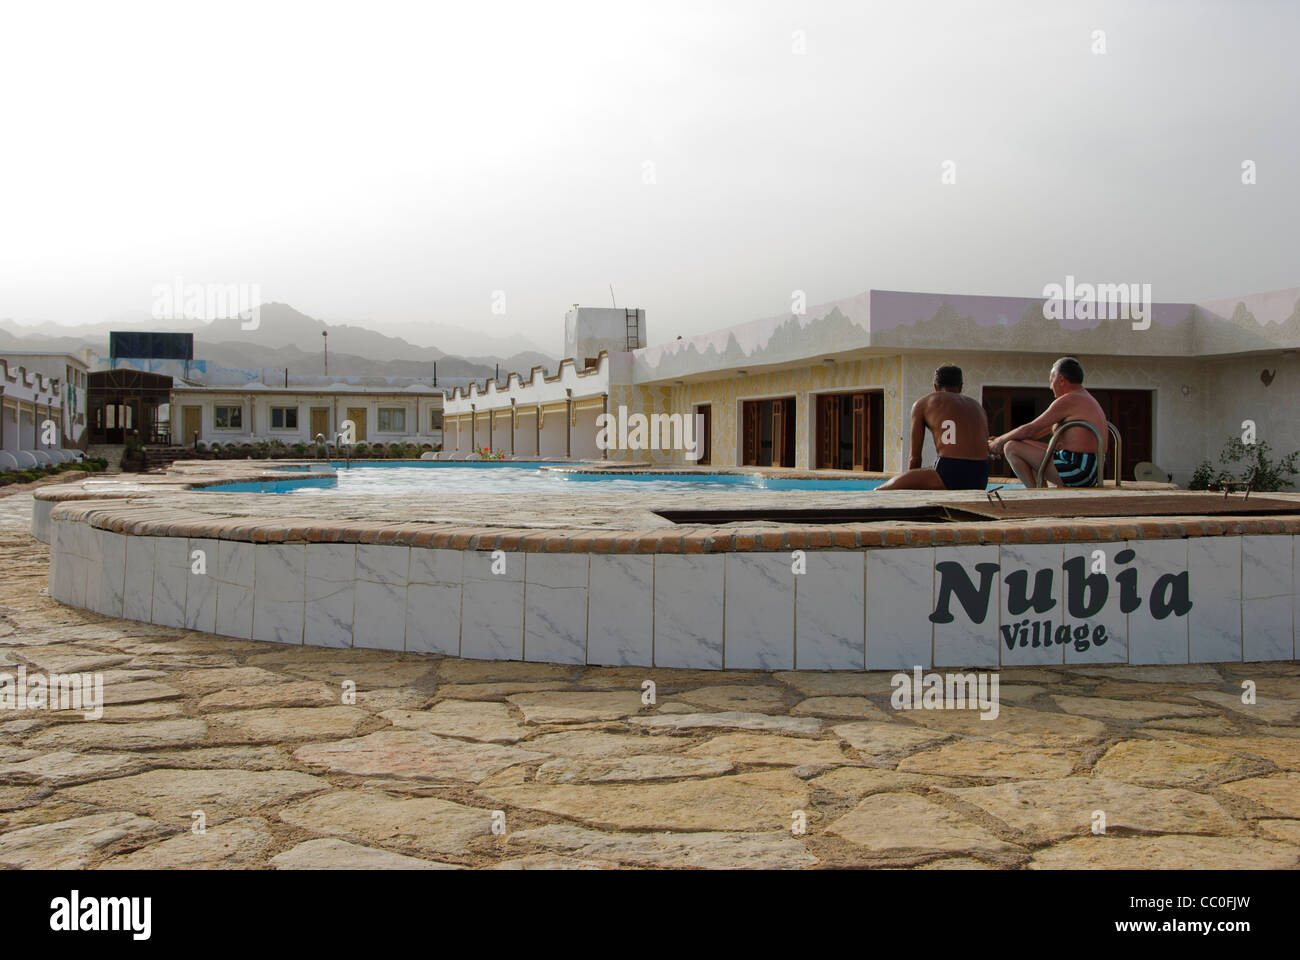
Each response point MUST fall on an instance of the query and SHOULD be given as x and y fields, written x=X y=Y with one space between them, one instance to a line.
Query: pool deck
x=590 y=520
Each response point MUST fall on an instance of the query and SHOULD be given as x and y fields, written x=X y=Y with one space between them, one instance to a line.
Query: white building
x=293 y=414
x=37 y=389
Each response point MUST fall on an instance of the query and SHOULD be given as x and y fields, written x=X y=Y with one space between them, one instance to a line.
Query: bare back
x=1079 y=405
x=961 y=421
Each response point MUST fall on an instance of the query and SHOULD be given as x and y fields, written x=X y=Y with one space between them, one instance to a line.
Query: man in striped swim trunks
x=1074 y=462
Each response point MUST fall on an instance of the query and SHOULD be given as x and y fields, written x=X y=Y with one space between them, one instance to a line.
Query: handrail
x=1119 y=455
x=1101 y=449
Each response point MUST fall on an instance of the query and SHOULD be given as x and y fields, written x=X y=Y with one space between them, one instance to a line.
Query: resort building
x=36 y=388
x=297 y=413
x=152 y=388
x=832 y=388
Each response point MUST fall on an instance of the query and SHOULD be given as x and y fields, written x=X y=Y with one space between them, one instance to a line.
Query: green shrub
x=1251 y=463
x=361 y=449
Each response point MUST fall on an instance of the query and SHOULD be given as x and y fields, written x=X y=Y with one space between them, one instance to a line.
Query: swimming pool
x=395 y=478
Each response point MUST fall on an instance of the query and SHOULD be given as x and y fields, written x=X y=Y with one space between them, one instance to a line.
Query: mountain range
x=287 y=338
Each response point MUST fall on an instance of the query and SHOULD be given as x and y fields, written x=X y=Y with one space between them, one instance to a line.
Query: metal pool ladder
x=1101 y=450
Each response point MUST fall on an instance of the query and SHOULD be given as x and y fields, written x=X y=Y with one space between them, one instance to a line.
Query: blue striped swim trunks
x=1075 y=469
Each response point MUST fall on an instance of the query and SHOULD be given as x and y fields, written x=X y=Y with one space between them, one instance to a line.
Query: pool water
x=390 y=478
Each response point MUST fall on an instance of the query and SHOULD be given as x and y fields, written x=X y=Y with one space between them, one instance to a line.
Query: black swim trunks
x=963 y=474
x=1075 y=469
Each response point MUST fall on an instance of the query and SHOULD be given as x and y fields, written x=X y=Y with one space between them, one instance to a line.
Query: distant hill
x=287 y=337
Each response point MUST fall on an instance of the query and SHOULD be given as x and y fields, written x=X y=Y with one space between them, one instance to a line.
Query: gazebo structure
x=123 y=403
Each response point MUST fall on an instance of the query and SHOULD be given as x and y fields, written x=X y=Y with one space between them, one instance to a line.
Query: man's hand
x=995 y=446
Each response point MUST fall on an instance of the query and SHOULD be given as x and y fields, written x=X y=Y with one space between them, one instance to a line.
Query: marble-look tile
x=900 y=597
x=201 y=590
x=492 y=617
x=1161 y=567
x=279 y=571
x=620 y=610
x=479 y=564
x=759 y=618
x=330 y=590
x=433 y=618
x=328 y=565
x=383 y=564
x=94 y=569
x=327 y=618
x=171 y=574
x=235 y=562
x=1265 y=566
x=555 y=607
x=379 y=617
x=41 y=520
x=689 y=610
x=557 y=570
x=830 y=610
x=1268 y=629
x=436 y=566
x=60 y=538
x=1214 y=578
x=137 y=597
x=1031 y=597
x=234 y=611
x=971 y=637
x=112 y=576
x=76 y=569
x=58 y=582
x=1089 y=609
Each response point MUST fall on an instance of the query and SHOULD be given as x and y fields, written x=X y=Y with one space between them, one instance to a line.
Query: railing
x=1101 y=450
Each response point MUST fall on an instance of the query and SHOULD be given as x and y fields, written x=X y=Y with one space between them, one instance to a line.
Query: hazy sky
x=395 y=164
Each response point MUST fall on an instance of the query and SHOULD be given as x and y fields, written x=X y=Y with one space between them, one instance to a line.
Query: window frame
x=237 y=407
x=379 y=420
x=283 y=420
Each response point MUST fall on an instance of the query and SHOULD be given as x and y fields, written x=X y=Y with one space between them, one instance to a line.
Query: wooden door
x=778 y=433
x=828 y=431
x=1130 y=411
x=191 y=423
x=358 y=417
x=320 y=423
x=859 y=431
x=706 y=436
x=751 y=431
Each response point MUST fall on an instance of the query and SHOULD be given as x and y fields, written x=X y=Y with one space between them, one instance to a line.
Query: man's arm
x=918 y=434
x=1036 y=427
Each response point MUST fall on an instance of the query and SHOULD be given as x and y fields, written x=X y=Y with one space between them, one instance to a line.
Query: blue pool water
x=389 y=477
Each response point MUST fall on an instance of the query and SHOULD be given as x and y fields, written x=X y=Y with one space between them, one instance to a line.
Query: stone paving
x=715 y=773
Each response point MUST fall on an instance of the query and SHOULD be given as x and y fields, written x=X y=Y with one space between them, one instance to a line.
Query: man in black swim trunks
x=960 y=429
x=1074 y=462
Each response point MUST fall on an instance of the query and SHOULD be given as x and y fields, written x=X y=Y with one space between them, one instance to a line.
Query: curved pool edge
x=695 y=597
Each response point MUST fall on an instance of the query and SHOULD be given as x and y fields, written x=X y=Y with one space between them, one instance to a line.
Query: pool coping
x=124 y=507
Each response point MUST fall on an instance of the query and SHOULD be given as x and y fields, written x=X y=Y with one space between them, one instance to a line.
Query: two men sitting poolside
x=959 y=427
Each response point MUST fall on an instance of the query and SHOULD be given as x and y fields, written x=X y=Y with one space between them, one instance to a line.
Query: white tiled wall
x=760 y=608
x=1267 y=606
x=849 y=609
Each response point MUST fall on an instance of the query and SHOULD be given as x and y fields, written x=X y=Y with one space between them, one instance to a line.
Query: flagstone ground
x=259 y=738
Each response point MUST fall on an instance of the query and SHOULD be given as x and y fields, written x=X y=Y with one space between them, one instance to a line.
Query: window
x=392 y=420
x=228 y=417
x=284 y=418
x=435 y=420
